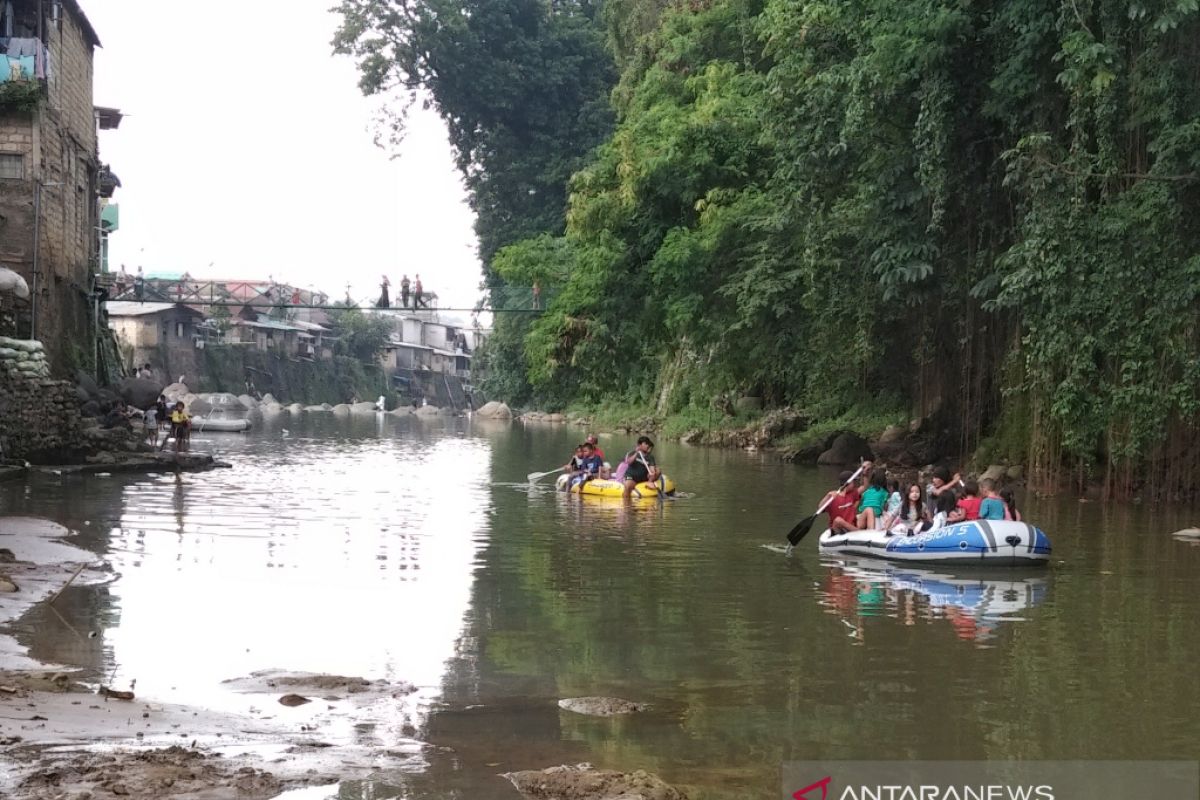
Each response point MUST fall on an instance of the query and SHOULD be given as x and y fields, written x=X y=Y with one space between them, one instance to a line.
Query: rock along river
x=412 y=551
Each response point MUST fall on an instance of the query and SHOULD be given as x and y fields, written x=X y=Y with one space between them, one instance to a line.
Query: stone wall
x=39 y=418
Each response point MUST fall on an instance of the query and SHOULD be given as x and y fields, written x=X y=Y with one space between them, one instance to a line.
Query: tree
x=361 y=336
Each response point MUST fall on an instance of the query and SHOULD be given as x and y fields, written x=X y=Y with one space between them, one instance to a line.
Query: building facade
x=159 y=334
x=50 y=177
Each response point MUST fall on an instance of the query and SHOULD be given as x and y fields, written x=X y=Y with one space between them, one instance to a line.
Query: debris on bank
x=141 y=463
x=600 y=706
x=584 y=782
x=145 y=775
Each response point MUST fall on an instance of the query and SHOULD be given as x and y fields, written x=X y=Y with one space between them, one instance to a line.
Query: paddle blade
x=533 y=477
x=801 y=530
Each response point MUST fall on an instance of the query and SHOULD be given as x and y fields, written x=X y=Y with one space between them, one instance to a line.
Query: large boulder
x=341 y=410
x=363 y=408
x=494 y=410
x=995 y=473
x=427 y=411
x=924 y=441
x=87 y=383
x=248 y=401
x=295 y=408
x=139 y=392
x=847 y=448
x=268 y=399
x=176 y=392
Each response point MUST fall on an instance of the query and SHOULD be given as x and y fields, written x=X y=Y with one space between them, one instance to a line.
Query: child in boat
x=968 y=505
x=1010 y=504
x=589 y=465
x=940 y=483
x=894 y=499
x=870 y=508
x=605 y=470
x=913 y=516
x=991 y=507
x=946 y=505
x=843 y=505
x=572 y=467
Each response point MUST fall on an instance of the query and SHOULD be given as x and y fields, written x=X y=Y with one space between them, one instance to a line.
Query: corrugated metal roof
x=129 y=308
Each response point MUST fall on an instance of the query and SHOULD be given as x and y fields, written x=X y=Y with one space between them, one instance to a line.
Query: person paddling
x=842 y=505
x=640 y=466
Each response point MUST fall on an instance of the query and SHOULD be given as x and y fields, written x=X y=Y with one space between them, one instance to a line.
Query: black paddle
x=805 y=525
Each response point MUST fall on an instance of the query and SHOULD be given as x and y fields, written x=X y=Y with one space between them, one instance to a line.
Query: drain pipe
x=37 y=245
x=37 y=251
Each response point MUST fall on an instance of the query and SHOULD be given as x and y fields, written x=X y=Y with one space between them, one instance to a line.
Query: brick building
x=50 y=174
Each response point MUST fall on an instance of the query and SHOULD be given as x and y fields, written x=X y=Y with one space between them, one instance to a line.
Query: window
x=178 y=330
x=12 y=166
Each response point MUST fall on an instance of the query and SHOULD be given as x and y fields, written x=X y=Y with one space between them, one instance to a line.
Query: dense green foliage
x=523 y=87
x=973 y=210
x=361 y=336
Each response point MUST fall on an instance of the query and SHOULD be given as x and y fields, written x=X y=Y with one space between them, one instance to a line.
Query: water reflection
x=974 y=604
x=416 y=551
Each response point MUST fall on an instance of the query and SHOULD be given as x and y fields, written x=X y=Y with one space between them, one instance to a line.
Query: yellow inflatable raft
x=599 y=487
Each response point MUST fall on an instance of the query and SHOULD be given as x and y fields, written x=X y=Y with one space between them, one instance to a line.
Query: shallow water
x=413 y=551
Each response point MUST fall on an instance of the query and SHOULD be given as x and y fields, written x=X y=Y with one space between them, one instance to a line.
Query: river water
x=412 y=551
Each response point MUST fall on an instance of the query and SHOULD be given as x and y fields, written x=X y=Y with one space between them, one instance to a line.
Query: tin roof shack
x=397 y=356
x=313 y=344
x=269 y=335
x=49 y=168
x=160 y=334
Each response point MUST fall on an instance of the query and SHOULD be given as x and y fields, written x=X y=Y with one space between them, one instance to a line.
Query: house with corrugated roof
x=145 y=330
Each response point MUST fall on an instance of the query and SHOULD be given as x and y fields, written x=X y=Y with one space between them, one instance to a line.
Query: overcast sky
x=248 y=147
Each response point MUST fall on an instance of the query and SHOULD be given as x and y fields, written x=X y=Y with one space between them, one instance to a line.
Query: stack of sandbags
x=23 y=358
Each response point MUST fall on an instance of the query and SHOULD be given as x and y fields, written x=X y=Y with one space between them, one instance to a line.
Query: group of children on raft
x=588 y=463
x=876 y=502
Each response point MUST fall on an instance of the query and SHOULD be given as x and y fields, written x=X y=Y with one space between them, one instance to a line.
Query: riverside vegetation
x=975 y=213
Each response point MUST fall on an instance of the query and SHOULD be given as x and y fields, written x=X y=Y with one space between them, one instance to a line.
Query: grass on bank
x=617 y=415
x=865 y=420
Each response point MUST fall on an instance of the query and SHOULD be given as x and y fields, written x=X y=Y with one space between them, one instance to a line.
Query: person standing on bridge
x=384 y=300
x=404 y=284
x=418 y=294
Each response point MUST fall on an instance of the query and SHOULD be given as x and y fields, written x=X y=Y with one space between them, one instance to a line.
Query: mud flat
x=65 y=734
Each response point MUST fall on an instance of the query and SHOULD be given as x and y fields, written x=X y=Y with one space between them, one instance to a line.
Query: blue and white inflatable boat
x=979 y=542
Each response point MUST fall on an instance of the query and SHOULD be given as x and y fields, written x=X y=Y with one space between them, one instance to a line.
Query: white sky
x=248 y=146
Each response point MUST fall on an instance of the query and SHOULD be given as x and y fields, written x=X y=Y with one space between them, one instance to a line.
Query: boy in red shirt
x=969 y=503
x=843 y=509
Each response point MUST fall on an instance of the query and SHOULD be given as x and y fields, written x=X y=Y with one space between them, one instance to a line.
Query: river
x=412 y=550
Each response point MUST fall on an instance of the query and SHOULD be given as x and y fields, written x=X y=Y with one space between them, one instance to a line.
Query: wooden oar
x=803 y=526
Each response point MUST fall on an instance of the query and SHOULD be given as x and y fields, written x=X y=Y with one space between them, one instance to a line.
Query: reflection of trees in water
x=746 y=667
